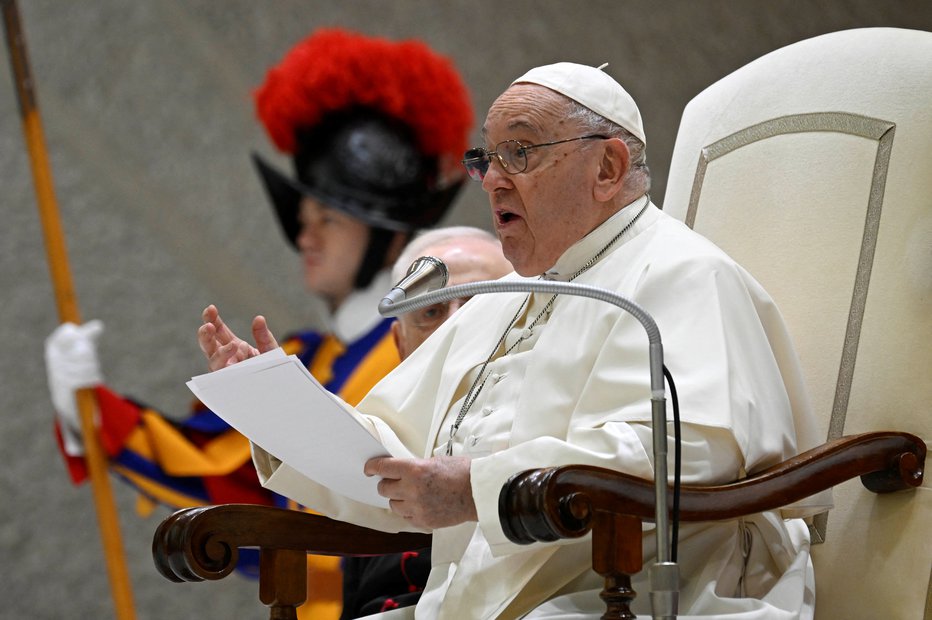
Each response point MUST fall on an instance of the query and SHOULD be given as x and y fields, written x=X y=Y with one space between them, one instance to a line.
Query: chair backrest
x=812 y=166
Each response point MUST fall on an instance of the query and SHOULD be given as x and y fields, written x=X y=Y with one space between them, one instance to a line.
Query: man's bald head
x=470 y=254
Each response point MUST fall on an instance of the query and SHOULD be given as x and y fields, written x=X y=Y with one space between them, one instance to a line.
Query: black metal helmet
x=366 y=165
x=375 y=129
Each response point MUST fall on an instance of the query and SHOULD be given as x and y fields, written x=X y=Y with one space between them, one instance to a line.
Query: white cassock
x=576 y=389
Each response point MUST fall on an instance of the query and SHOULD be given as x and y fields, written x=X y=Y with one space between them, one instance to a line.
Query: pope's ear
x=613 y=167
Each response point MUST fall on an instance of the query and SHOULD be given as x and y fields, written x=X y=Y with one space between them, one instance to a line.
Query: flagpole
x=67 y=304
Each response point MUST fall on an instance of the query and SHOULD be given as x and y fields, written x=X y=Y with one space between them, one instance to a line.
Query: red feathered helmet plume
x=375 y=128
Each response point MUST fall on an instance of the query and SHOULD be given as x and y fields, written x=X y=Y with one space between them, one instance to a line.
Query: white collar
x=583 y=250
x=359 y=314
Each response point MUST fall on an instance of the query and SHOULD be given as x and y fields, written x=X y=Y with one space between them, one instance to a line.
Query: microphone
x=420 y=289
x=424 y=275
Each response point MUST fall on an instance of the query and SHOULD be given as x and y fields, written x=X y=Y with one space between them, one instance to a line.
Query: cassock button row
x=527 y=333
x=486 y=411
x=496 y=377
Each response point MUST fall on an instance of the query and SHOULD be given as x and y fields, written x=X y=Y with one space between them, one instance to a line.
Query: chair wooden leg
x=616 y=555
x=283 y=582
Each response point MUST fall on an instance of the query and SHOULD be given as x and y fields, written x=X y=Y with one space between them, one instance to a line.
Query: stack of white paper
x=274 y=401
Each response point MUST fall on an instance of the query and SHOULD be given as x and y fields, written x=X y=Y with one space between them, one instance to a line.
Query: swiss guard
x=374 y=130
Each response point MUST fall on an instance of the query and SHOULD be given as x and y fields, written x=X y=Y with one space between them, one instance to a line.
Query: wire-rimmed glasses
x=511 y=154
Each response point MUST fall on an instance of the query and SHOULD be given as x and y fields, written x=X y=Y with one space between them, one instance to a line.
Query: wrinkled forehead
x=527 y=108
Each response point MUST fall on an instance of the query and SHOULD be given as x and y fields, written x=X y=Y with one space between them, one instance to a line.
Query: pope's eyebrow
x=522 y=124
x=512 y=126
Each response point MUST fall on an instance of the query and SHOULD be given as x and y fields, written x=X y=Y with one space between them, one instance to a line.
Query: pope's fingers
x=223 y=356
x=244 y=351
x=223 y=333
x=392 y=489
x=206 y=339
x=380 y=466
x=209 y=313
x=262 y=335
x=400 y=508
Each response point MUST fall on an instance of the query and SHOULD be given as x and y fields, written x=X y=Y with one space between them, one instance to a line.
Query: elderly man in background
x=372 y=584
x=515 y=381
x=470 y=254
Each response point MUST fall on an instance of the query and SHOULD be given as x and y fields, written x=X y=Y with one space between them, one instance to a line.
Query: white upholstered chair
x=812 y=166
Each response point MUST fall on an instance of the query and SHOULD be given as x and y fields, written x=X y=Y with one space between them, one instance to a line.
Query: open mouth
x=504 y=217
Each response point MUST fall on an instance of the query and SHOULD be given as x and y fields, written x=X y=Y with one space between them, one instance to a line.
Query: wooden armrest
x=552 y=503
x=569 y=502
x=195 y=544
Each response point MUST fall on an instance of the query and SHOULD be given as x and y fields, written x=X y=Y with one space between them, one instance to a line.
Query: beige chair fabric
x=812 y=166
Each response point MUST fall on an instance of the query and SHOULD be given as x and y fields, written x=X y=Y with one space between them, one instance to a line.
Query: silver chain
x=474 y=391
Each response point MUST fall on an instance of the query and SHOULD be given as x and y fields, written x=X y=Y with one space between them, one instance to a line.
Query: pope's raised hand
x=222 y=347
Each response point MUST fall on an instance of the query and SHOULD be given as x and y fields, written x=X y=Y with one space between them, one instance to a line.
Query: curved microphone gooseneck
x=423 y=286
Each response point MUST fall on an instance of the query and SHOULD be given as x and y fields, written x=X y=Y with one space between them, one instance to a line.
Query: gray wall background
x=148 y=120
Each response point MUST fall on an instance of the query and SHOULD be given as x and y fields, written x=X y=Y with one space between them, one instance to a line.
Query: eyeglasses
x=511 y=154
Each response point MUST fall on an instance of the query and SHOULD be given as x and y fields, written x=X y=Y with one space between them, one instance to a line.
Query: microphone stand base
x=664 y=590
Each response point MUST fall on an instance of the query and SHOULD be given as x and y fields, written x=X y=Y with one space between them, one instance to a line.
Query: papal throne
x=813 y=167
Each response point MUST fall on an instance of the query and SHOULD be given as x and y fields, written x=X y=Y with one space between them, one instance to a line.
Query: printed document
x=277 y=404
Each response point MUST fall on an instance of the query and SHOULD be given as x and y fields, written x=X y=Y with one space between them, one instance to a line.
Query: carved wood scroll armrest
x=559 y=502
x=195 y=544
x=543 y=505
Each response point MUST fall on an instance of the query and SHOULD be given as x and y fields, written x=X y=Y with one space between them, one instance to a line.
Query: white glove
x=71 y=363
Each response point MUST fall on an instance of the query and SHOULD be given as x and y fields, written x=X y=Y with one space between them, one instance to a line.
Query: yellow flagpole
x=67 y=309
